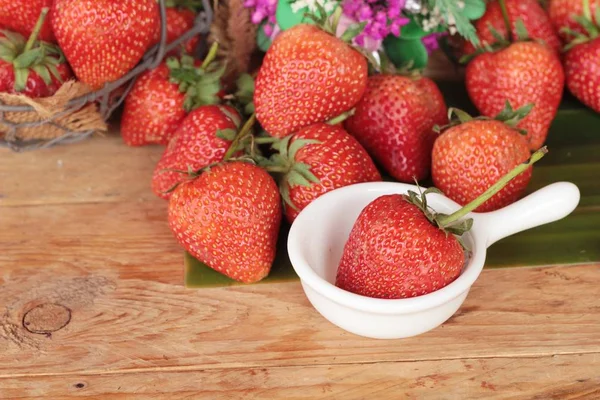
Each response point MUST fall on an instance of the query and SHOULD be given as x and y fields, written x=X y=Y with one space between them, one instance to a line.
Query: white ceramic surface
x=318 y=235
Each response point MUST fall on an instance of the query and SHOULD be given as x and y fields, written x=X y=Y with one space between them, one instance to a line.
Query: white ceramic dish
x=318 y=235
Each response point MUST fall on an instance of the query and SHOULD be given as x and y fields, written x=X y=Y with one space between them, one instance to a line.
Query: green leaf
x=588 y=25
x=521 y=30
x=294 y=178
x=16 y=38
x=284 y=190
x=496 y=35
x=226 y=134
x=412 y=30
x=21 y=75
x=451 y=10
x=473 y=9
x=353 y=31
x=402 y=52
x=262 y=40
x=460 y=227
x=304 y=170
x=29 y=58
x=298 y=144
x=283 y=147
x=460 y=114
x=286 y=17
x=42 y=71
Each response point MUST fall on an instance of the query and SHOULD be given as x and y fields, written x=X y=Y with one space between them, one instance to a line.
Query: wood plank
x=545 y=378
x=91 y=171
x=122 y=319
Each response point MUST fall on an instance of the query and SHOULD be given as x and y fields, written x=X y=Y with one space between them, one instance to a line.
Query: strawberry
x=316 y=160
x=307 y=76
x=469 y=157
x=394 y=121
x=582 y=62
x=531 y=14
x=104 y=39
x=521 y=73
x=198 y=142
x=229 y=218
x=181 y=15
x=400 y=248
x=562 y=13
x=31 y=67
x=162 y=97
x=20 y=16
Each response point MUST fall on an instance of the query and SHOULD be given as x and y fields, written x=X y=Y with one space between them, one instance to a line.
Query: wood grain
x=104 y=261
x=563 y=377
x=96 y=170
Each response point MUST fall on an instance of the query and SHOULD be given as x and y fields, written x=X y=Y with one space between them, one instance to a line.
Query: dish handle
x=548 y=204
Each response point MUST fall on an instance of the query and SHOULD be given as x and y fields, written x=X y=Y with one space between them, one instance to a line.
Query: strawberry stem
x=265 y=140
x=36 y=30
x=242 y=134
x=495 y=188
x=210 y=57
x=506 y=19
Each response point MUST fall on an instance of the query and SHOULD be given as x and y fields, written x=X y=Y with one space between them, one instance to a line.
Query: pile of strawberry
x=46 y=42
x=319 y=116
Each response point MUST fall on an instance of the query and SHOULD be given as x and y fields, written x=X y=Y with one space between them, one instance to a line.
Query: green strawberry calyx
x=501 y=42
x=201 y=84
x=31 y=55
x=288 y=172
x=508 y=115
x=235 y=137
x=455 y=223
x=587 y=22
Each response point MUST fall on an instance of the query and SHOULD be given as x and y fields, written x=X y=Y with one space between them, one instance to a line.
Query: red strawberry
x=562 y=12
x=31 y=67
x=530 y=12
x=470 y=157
x=582 y=69
x=21 y=15
x=229 y=219
x=104 y=39
x=307 y=76
x=395 y=252
x=194 y=146
x=179 y=21
x=319 y=159
x=523 y=73
x=161 y=98
x=582 y=63
x=394 y=121
x=401 y=248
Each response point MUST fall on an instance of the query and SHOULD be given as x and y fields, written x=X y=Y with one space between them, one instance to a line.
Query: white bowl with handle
x=319 y=233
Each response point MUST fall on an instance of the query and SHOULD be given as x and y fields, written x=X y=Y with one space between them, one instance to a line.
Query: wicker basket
x=72 y=114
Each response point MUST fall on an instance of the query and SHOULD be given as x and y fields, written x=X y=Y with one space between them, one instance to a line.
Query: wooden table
x=92 y=304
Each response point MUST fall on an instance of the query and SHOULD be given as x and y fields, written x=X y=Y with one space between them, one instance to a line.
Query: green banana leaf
x=574 y=144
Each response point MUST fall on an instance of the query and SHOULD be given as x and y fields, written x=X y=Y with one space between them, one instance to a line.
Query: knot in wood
x=46 y=318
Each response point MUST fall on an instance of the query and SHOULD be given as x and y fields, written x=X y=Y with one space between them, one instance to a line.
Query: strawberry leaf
x=304 y=170
x=295 y=178
x=21 y=75
x=42 y=71
x=521 y=30
x=297 y=145
x=29 y=58
x=226 y=134
x=285 y=195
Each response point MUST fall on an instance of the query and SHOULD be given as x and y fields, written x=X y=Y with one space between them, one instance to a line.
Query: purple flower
x=431 y=41
x=382 y=19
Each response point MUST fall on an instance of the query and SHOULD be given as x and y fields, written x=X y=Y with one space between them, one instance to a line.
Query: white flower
x=328 y=5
